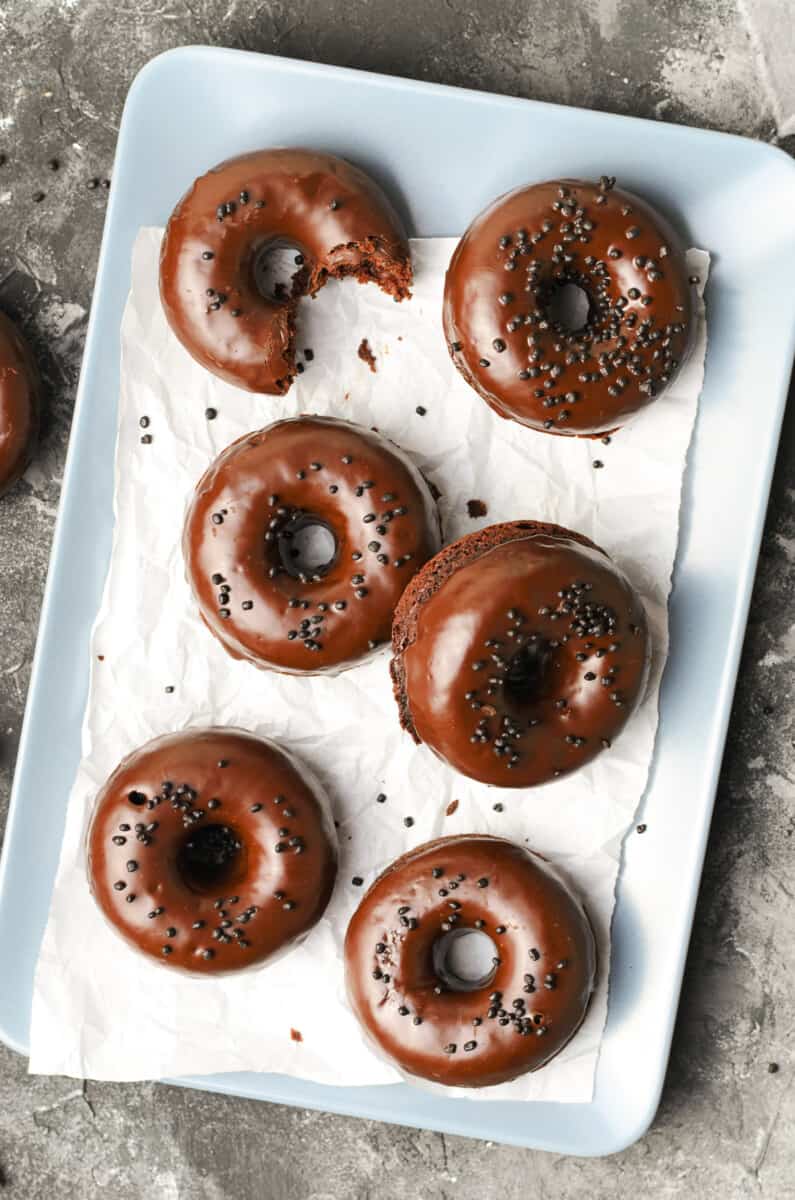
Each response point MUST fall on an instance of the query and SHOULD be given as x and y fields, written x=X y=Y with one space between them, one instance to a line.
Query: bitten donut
x=211 y=850
x=19 y=404
x=508 y=326
x=429 y=1020
x=248 y=543
x=334 y=215
x=519 y=653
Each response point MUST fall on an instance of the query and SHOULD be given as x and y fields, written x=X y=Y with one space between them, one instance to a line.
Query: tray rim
x=725 y=681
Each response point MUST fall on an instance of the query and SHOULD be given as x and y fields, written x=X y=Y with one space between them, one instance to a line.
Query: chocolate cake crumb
x=366 y=354
x=476 y=508
x=451 y=807
x=296 y=1035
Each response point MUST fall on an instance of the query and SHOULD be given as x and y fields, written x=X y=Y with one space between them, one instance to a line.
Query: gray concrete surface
x=726 y=1127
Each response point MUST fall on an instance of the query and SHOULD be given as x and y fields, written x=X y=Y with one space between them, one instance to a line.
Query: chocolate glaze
x=331 y=212
x=522 y=1015
x=307 y=470
x=500 y=666
x=504 y=274
x=273 y=890
x=19 y=404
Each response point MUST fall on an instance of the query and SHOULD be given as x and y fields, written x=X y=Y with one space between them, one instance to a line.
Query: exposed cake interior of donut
x=369 y=260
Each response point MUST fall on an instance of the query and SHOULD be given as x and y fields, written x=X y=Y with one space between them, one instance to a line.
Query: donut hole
x=569 y=307
x=307 y=547
x=279 y=270
x=209 y=858
x=526 y=678
x=463 y=959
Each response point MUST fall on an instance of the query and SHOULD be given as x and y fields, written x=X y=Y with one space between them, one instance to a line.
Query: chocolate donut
x=254 y=506
x=19 y=404
x=211 y=850
x=334 y=215
x=520 y=652
x=505 y=307
x=434 y=1024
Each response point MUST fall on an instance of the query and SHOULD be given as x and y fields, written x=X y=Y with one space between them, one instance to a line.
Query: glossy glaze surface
x=250 y=503
x=19 y=404
x=502 y=297
x=539 y=988
x=234 y=911
x=336 y=218
x=520 y=653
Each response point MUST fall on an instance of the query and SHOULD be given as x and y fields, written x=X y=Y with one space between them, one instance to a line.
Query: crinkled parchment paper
x=99 y=1010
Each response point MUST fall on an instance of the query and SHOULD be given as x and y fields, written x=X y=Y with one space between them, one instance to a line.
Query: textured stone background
x=726 y=1126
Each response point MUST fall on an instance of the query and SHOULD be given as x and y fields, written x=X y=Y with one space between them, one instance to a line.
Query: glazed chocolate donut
x=334 y=215
x=434 y=1024
x=211 y=850
x=504 y=306
x=251 y=510
x=519 y=652
x=19 y=404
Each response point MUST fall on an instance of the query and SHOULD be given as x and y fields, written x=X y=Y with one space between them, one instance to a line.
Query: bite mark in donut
x=519 y=653
x=518 y=342
x=335 y=216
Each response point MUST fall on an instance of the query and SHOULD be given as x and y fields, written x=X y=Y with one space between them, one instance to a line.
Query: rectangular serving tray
x=443 y=153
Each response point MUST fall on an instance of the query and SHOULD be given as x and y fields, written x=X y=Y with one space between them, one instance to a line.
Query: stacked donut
x=519 y=653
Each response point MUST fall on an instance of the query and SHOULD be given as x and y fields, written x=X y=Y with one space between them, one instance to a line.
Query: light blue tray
x=443 y=153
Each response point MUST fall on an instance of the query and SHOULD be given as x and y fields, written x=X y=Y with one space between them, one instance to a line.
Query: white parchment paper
x=100 y=1010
